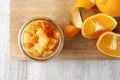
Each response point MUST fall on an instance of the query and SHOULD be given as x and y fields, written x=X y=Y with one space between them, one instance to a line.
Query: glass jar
x=60 y=44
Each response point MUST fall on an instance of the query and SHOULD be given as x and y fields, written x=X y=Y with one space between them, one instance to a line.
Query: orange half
x=109 y=44
x=97 y=24
x=110 y=7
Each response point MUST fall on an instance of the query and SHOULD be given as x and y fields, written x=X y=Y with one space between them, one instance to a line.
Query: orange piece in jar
x=47 y=53
x=48 y=28
x=34 y=38
x=52 y=43
x=40 y=38
x=27 y=40
x=56 y=35
x=33 y=27
x=34 y=52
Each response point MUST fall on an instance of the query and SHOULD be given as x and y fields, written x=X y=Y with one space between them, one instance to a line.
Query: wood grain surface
x=77 y=48
x=52 y=70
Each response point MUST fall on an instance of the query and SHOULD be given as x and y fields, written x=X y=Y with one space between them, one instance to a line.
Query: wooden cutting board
x=77 y=48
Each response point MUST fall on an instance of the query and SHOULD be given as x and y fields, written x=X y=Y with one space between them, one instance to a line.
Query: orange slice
x=109 y=44
x=95 y=25
x=75 y=17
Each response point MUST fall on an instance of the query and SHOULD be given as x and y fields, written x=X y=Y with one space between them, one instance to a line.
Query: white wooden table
x=53 y=70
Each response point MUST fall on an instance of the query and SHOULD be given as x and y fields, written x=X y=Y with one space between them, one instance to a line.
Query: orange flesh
x=71 y=31
x=105 y=22
x=89 y=28
x=118 y=41
x=95 y=26
x=48 y=29
x=109 y=45
x=34 y=38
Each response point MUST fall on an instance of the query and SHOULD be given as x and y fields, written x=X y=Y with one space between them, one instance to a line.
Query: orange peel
x=95 y=25
x=109 y=44
x=75 y=17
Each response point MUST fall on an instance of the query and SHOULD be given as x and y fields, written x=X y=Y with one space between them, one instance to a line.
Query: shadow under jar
x=40 y=39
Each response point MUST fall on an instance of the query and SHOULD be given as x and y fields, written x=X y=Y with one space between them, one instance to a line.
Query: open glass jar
x=40 y=39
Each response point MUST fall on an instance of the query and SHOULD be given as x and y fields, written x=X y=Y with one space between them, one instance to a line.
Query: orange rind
x=95 y=25
x=75 y=17
x=109 y=44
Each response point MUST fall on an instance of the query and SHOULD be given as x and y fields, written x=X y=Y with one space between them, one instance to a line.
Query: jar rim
x=61 y=41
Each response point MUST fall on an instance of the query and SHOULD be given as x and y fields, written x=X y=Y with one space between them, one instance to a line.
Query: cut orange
x=95 y=25
x=109 y=44
x=110 y=7
x=71 y=31
x=76 y=20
